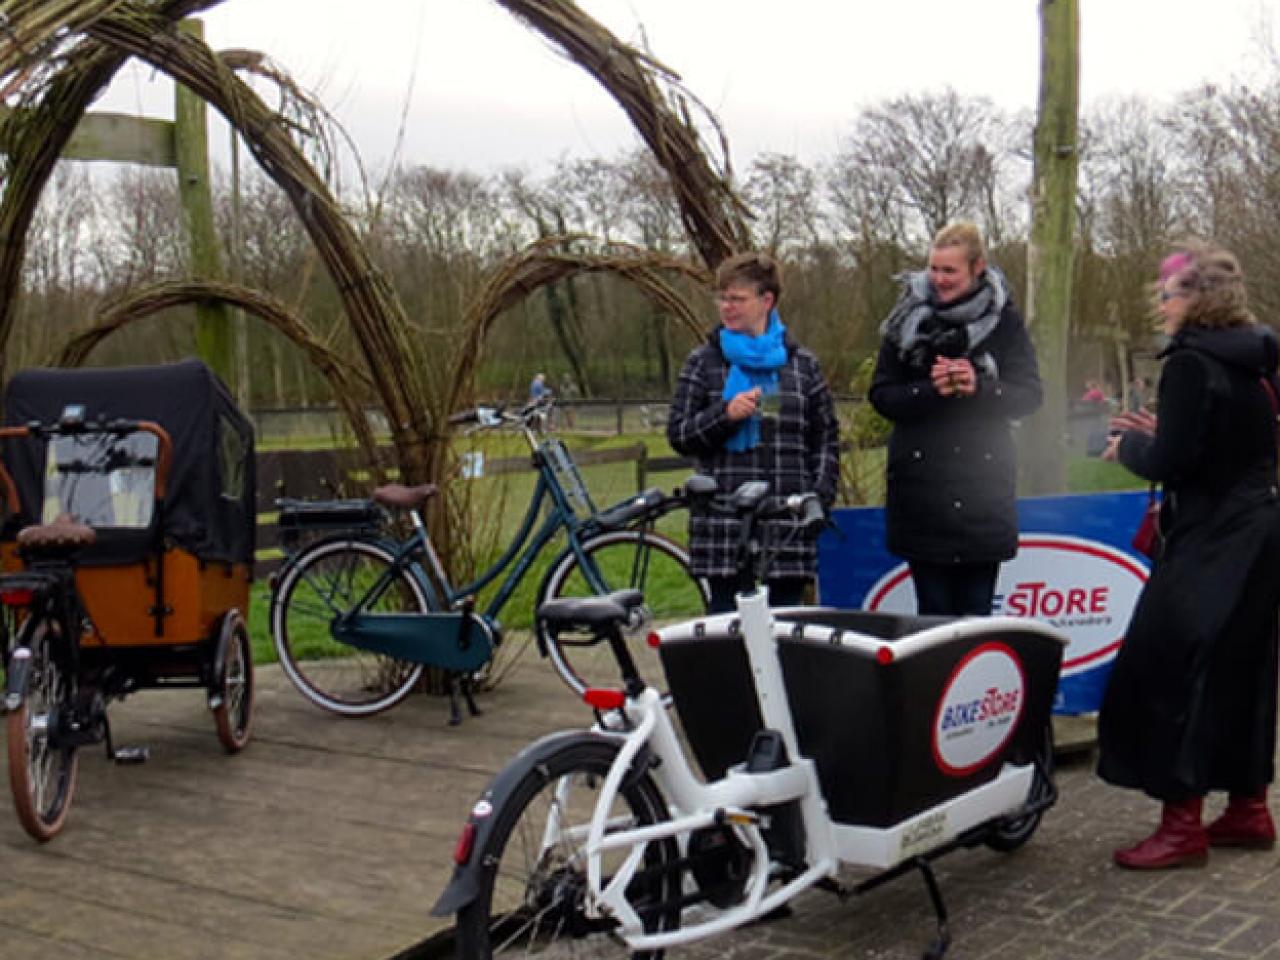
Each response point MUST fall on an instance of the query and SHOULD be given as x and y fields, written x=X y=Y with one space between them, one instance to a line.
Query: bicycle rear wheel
x=532 y=891
x=649 y=562
x=42 y=774
x=322 y=582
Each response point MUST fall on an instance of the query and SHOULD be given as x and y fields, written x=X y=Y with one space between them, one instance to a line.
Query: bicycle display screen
x=100 y=479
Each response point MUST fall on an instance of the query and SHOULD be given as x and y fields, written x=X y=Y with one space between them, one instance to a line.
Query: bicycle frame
x=736 y=799
x=516 y=560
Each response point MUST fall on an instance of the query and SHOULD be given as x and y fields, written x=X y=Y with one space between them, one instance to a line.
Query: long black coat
x=799 y=452
x=1191 y=703
x=952 y=468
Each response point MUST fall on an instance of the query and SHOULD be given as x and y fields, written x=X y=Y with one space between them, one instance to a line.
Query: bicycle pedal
x=131 y=755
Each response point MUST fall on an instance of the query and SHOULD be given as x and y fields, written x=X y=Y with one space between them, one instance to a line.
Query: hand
x=1139 y=421
x=964 y=377
x=744 y=404
x=1112 y=450
x=940 y=374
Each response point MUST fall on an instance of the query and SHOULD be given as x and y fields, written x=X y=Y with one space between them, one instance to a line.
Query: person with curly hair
x=1190 y=706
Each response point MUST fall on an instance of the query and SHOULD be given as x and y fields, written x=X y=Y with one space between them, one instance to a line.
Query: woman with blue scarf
x=751 y=404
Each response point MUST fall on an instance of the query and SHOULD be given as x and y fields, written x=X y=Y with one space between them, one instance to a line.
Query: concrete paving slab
x=330 y=839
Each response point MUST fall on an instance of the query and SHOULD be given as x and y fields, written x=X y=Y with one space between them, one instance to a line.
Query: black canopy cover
x=210 y=503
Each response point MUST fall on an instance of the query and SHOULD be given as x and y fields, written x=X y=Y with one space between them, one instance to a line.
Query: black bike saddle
x=590 y=613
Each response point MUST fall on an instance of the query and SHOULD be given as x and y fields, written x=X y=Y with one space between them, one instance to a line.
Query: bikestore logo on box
x=979 y=709
x=1084 y=588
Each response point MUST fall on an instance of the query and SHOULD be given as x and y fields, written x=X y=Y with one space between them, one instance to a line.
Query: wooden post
x=1051 y=253
x=214 y=335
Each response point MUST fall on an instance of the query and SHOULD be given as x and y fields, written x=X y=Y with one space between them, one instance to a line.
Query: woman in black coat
x=1191 y=703
x=955 y=367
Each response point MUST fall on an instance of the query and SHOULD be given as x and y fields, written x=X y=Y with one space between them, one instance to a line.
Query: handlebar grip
x=466 y=416
x=812 y=517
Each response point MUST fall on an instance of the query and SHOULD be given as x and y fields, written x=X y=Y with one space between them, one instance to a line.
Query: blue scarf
x=753 y=362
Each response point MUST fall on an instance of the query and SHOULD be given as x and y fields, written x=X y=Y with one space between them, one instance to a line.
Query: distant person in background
x=752 y=404
x=568 y=394
x=955 y=368
x=1190 y=706
x=538 y=388
x=1137 y=395
x=1093 y=393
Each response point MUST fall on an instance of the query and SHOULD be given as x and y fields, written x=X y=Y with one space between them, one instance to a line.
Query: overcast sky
x=481 y=91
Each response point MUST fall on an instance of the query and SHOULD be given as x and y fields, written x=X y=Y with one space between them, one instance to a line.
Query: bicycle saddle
x=65 y=533
x=590 y=613
x=402 y=497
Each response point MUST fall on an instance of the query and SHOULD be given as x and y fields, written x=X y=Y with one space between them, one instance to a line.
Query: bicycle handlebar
x=752 y=504
x=485 y=418
x=119 y=427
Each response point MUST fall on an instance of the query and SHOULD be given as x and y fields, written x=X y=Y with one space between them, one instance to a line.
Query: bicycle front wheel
x=321 y=583
x=42 y=773
x=532 y=894
x=649 y=562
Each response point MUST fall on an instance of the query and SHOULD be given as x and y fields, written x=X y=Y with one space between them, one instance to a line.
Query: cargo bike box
x=163 y=570
x=898 y=712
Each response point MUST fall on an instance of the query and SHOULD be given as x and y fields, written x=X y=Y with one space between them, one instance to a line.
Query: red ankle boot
x=1179 y=841
x=1245 y=823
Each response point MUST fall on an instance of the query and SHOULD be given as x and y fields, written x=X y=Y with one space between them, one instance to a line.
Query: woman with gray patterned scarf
x=955 y=368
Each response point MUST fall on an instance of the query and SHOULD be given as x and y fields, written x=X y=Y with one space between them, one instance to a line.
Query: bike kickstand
x=938 y=947
x=468 y=692
x=455 y=712
x=122 y=755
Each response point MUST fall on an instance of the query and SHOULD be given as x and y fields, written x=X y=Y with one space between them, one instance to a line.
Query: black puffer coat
x=798 y=452
x=952 y=477
x=1191 y=703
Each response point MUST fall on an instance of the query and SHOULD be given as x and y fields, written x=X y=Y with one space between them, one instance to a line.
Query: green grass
x=1091 y=475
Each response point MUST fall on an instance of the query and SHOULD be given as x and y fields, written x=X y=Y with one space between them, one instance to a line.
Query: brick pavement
x=330 y=838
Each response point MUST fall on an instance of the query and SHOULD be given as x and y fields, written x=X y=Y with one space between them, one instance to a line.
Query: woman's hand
x=744 y=404
x=1139 y=421
x=940 y=374
x=954 y=378
x=964 y=377
x=1112 y=450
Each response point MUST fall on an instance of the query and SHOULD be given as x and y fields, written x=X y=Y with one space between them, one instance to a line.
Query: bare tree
x=940 y=155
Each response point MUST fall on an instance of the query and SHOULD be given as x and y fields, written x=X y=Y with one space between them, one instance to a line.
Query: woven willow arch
x=58 y=55
x=347 y=383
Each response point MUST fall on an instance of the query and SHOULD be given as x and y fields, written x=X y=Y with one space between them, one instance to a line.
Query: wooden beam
x=119 y=138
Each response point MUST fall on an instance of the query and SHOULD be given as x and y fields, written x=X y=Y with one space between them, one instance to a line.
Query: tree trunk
x=214 y=336
x=1051 y=254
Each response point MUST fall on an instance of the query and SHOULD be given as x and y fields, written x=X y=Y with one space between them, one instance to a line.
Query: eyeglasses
x=736 y=299
x=1167 y=295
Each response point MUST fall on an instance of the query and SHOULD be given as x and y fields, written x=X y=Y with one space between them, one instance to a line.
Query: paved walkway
x=329 y=839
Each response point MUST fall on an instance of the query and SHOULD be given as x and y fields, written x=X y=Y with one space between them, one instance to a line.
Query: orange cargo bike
x=127 y=555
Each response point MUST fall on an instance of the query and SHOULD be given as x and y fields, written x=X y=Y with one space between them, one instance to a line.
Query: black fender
x=15 y=685
x=464 y=885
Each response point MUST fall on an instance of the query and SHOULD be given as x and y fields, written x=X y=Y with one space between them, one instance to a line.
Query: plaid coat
x=798 y=453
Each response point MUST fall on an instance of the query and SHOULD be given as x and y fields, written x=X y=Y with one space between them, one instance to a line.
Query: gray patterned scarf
x=921 y=328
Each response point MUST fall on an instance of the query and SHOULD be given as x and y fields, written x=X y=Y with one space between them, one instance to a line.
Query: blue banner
x=1075 y=569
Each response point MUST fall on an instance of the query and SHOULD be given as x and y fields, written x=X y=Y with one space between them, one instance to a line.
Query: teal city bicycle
x=358 y=614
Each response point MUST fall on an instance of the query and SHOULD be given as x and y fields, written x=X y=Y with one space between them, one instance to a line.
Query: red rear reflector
x=466 y=840
x=604 y=699
x=20 y=597
x=884 y=656
x=654 y=640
